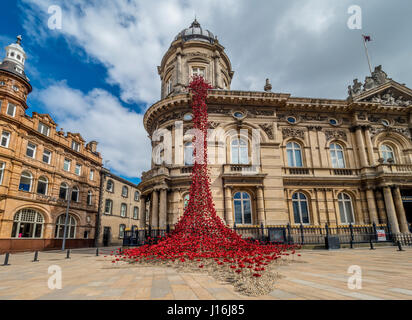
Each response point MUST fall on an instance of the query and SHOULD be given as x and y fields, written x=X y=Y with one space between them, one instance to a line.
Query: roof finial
x=268 y=86
x=195 y=23
x=19 y=38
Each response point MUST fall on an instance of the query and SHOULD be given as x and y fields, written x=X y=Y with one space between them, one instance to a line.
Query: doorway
x=106 y=236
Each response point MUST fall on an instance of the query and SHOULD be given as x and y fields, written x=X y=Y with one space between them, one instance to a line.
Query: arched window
x=63 y=191
x=89 y=198
x=294 y=154
x=186 y=200
x=26 y=180
x=336 y=156
x=122 y=228
x=189 y=149
x=110 y=186
x=243 y=208
x=27 y=223
x=239 y=148
x=300 y=208
x=42 y=185
x=71 y=227
x=345 y=208
x=136 y=196
x=108 y=207
x=387 y=153
x=75 y=194
x=125 y=191
x=123 y=210
x=136 y=213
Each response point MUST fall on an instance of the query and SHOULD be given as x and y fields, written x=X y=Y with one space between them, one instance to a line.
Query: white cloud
x=100 y=116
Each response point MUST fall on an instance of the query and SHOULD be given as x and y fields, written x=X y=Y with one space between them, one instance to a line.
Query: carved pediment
x=378 y=88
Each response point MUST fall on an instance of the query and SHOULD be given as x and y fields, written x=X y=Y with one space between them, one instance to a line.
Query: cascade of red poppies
x=200 y=233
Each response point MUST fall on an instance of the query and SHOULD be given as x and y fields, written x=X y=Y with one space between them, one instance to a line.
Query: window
x=135 y=213
x=71 y=227
x=67 y=164
x=336 y=155
x=136 y=196
x=11 y=110
x=5 y=139
x=123 y=210
x=78 y=169
x=2 y=166
x=387 y=153
x=186 y=200
x=26 y=180
x=110 y=186
x=43 y=129
x=122 y=228
x=75 y=146
x=238 y=115
x=15 y=88
x=240 y=151
x=2 y=83
x=345 y=208
x=125 y=191
x=31 y=150
x=291 y=120
x=294 y=154
x=333 y=122
x=89 y=198
x=75 y=194
x=63 y=191
x=300 y=208
x=42 y=185
x=169 y=86
x=188 y=117
x=243 y=208
x=27 y=223
x=46 y=156
x=189 y=149
x=108 y=207
x=91 y=175
x=197 y=71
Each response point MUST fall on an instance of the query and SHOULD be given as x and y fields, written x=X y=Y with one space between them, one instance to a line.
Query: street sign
x=381 y=235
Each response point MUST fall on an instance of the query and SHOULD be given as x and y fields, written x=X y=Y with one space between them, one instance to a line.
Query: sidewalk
x=320 y=274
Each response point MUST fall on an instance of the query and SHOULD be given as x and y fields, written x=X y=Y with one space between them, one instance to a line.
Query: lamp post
x=69 y=191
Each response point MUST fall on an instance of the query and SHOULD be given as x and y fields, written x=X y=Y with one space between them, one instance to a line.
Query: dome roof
x=195 y=32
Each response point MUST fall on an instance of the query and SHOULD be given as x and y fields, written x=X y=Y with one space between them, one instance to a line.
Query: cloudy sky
x=97 y=74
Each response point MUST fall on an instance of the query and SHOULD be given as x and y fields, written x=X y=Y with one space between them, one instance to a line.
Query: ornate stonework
x=294 y=133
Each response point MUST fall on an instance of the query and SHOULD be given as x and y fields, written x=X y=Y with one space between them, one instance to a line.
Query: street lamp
x=69 y=191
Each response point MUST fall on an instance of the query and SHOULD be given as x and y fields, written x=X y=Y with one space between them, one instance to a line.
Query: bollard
x=351 y=243
x=36 y=256
x=399 y=246
x=371 y=243
x=97 y=252
x=6 y=259
x=68 y=254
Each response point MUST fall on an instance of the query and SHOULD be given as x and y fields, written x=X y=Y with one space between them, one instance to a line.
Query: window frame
x=135 y=215
x=236 y=149
x=46 y=185
x=75 y=190
x=78 y=169
x=50 y=156
x=342 y=200
x=123 y=213
x=188 y=145
x=71 y=227
x=91 y=175
x=136 y=196
x=66 y=160
x=42 y=126
x=38 y=220
x=30 y=176
x=198 y=68
x=111 y=206
x=89 y=198
x=75 y=146
x=121 y=232
x=125 y=194
x=32 y=149
x=334 y=155
x=2 y=170
x=14 y=109
x=293 y=150
x=299 y=201
x=65 y=186
x=7 y=136
x=382 y=152
x=242 y=201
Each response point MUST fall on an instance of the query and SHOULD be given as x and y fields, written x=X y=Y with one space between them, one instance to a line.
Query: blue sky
x=98 y=74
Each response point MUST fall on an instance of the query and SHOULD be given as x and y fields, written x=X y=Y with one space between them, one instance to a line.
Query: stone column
x=400 y=210
x=373 y=214
x=142 y=221
x=369 y=146
x=260 y=206
x=359 y=212
x=155 y=209
x=381 y=207
x=163 y=208
x=361 y=147
x=390 y=210
x=228 y=206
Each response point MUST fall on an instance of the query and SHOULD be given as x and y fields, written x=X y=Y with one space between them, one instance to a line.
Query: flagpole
x=367 y=54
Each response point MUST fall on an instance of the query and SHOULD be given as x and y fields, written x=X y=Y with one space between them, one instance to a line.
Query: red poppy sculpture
x=200 y=233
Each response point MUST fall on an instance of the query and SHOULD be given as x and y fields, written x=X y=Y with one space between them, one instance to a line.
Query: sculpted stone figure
x=356 y=87
x=379 y=76
x=369 y=83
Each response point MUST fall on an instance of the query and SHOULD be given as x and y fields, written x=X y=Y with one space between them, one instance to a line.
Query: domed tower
x=14 y=84
x=194 y=51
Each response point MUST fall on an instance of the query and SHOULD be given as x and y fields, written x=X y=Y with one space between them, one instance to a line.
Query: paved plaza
x=319 y=274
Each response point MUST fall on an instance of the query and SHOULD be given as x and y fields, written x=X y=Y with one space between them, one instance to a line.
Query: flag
x=366 y=38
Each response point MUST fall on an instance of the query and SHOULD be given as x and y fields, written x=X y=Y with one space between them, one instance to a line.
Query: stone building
x=40 y=168
x=120 y=209
x=321 y=160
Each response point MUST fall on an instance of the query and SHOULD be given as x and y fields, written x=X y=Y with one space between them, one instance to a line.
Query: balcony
x=240 y=169
x=316 y=172
x=398 y=169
